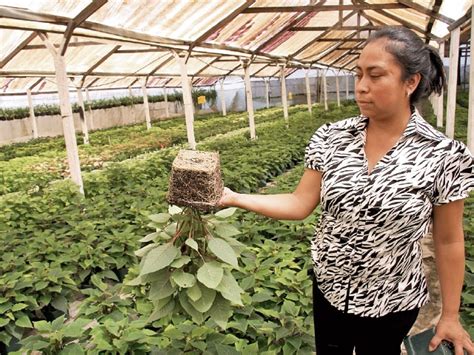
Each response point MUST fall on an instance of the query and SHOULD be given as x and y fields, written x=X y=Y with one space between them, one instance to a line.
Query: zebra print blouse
x=366 y=249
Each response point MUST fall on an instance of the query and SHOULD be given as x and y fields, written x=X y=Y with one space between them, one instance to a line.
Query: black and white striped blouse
x=366 y=249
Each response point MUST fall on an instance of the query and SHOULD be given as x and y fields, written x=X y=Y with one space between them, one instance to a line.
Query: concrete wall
x=50 y=126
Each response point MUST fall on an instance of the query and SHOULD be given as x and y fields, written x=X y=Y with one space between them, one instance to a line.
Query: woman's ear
x=412 y=83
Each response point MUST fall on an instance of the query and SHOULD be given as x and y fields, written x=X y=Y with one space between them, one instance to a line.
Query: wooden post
x=248 y=93
x=91 y=115
x=187 y=100
x=325 y=91
x=68 y=122
x=470 y=112
x=337 y=91
x=347 y=87
x=267 y=91
x=284 y=98
x=440 y=101
x=82 y=116
x=146 y=106
x=130 y=91
x=224 y=111
x=308 y=93
x=34 y=124
x=316 y=85
x=167 y=109
x=452 y=83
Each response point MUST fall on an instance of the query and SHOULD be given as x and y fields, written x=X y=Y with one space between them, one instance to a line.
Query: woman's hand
x=451 y=329
x=228 y=198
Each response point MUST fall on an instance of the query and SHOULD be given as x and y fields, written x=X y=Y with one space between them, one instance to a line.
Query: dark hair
x=414 y=56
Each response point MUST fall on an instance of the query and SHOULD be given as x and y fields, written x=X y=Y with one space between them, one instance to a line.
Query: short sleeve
x=456 y=177
x=316 y=149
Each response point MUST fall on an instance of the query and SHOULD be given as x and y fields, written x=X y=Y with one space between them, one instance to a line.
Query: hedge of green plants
x=7 y=114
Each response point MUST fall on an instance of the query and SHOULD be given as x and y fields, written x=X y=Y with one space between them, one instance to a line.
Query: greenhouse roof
x=122 y=43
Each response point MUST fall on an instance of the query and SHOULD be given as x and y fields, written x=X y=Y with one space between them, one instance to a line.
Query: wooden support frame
x=18 y=48
x=187 y=100
x=167 y=109
x=338 y=97
x=82 y=116
x=91 y=114
x=470 y=112
x=66 y=113
x=34 y=123
x=284 y=95
x=325 y=90
x=452 y=81
x=440 y=99
x=267 y=92
x=222 y=94
x=308 y=92
x=249 y=96
x=146 y=106
x=320 y=8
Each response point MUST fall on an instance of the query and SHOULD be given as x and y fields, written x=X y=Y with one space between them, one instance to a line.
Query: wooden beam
x=34 y=124
x=187 y=101
x=429 y=12
x=36 y=83
x=470 y=110
x=223 y=22
x=18 y=48
x=73 y=44
x=429 y=26
x=452 y=82
x=78 y=20
x=342 y=28
x=161 y=65
x=461 y=21
x=249 y=96
x=318 y=38
x=99 y=62
x=320 y=8
x=407 y=24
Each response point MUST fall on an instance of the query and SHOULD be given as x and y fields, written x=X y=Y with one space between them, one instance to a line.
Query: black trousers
x=339 y=333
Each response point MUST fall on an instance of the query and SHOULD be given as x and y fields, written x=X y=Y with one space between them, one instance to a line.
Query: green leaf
x=43 y=326
x=149 y=237
x=183 y=279
x=60 y=303
x=4 y=321
x=24 y=322
x=226 y=350
x=161 y=288
x=159 y=258
x=192 y=244
x=178 y=263
x=221 y=249
x=204 y=303
x=194 y=293
x=172 y=209
x=135 y=282
x=226 y=230
x=210 y=274
x=72 y=349
x=220 y=311
x=197 y=316
x=229 y=289
x=226 y=212
x=143 y=251
x=57 y=323
x=160 y=217
x=162 y=312
x=18 y=307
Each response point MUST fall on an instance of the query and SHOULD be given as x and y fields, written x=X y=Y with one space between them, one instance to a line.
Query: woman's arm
x=297 y=205
x=448 y=238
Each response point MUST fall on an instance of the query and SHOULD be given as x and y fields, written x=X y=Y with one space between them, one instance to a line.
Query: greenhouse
x=115 y=114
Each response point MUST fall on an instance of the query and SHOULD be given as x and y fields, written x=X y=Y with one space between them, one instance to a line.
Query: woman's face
x=380 y=92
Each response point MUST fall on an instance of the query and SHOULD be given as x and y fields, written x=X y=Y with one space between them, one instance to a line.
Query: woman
x=383 y=179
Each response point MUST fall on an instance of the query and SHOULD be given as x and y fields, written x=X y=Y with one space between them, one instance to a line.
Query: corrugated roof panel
x=413 y=16
x=297 y=41
x=40 y=60
x=185 y=20
x=10 y=39
x=220 y=68
x=140 y=63
x=326 y=18
x=31 y=25
x=60 y=8
x=252 y=30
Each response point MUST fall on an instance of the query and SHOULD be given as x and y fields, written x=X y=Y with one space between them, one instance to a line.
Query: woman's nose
x=361 y=84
